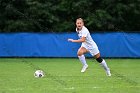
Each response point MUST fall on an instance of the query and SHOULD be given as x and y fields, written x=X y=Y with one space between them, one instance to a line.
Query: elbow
x=82 y=40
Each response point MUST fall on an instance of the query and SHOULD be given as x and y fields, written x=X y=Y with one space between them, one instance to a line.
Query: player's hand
x=71 y=40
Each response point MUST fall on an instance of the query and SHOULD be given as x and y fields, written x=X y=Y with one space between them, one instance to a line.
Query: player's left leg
x=103 y=64
x=95 y=53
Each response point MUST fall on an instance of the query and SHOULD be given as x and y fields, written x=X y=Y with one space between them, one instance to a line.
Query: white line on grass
x=95 y=87
x=70 y=88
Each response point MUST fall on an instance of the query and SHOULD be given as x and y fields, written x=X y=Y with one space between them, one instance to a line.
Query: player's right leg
x=82 y=59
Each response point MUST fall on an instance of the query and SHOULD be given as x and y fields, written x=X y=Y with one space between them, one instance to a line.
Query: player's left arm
x=83 y=39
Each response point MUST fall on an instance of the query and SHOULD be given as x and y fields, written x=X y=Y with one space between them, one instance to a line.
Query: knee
x=79 y=53
x=99 y=59
x=97 y=55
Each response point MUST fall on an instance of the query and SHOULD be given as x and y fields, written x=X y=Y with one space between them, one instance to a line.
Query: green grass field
x=63 y=76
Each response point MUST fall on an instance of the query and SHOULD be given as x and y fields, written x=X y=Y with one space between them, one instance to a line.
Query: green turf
x=63 y=76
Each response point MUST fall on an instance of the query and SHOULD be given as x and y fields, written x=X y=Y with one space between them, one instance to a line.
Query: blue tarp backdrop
x=116 y=44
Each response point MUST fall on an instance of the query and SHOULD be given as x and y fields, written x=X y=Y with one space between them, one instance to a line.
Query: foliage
x=60 y=15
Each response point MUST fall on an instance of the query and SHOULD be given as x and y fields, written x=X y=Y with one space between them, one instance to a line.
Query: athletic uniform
x=89 y=44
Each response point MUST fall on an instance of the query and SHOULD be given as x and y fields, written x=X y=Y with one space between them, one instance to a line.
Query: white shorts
x=92 y=50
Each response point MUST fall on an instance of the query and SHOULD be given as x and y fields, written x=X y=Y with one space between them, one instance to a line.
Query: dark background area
x=60 y=15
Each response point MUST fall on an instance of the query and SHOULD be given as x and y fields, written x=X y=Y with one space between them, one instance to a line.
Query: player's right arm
x=83 y=39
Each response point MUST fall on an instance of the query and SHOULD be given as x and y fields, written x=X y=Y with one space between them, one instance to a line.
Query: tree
x=60 y=15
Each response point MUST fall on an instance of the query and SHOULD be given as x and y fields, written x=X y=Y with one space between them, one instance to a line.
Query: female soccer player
x=88 y=45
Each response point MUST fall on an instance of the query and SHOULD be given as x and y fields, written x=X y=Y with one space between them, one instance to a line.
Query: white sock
x=104 y=65
x=82 y=59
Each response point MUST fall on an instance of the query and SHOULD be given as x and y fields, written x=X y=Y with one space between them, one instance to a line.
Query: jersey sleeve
x=85 y=33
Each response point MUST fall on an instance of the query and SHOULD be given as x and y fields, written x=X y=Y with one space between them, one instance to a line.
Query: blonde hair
x=80 y=19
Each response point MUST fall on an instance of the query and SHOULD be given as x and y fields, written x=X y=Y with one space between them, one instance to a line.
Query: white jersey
x=89 y=44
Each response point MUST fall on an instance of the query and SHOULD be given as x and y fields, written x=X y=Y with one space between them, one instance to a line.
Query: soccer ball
x=39 y=73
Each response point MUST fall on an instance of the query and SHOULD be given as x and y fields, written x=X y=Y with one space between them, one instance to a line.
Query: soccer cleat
x=108 y=72
x=84 y=68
